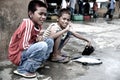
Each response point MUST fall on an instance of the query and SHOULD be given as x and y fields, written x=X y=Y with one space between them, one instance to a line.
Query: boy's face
x=39 y=16
x=64 y=20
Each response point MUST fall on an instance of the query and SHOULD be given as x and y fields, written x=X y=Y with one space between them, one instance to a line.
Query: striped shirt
x=56 y=27
x=48 y=32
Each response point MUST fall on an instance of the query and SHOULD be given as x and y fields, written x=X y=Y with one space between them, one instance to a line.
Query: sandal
x=64 y=55
x=61 y=59
x=28 y=75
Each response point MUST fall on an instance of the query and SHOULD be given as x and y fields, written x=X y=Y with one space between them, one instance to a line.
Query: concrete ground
x=104 y=36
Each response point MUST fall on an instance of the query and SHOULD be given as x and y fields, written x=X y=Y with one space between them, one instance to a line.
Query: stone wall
x=11 y=14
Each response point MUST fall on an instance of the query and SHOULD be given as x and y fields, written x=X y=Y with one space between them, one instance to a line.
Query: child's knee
x=43 y=45
x=49 y=41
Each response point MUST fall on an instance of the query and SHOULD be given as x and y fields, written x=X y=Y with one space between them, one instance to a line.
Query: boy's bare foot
x=60 y=59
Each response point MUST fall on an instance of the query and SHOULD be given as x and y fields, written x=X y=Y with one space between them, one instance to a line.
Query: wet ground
x=105 y=38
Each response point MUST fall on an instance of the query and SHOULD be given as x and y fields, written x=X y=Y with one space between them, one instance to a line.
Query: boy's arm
x=40 y=36
x=27 y=35
x=77 y=35
x=55 y=33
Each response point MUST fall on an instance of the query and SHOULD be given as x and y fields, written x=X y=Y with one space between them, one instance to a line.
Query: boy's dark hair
x=64 y=10
x=34 y=3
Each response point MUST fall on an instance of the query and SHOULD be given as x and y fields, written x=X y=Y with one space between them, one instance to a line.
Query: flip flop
x=61 y=59
x=29 y=75
x=64 y=55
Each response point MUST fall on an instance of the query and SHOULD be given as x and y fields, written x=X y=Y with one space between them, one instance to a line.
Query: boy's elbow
x=53 y=37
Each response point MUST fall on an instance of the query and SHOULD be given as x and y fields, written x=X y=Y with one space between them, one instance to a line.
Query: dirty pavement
x=105 y=38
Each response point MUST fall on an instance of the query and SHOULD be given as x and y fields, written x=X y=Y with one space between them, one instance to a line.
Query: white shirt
x=72 y=3
x=112 y=4
x=64 y=4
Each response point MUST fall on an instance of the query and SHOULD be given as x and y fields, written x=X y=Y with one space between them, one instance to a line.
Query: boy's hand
x=68 y=26
x=89 y=43
x=41 y=32
x=39 y=38
x=71 y=27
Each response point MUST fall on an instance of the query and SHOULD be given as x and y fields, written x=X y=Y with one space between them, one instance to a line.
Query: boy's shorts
x=63 y=40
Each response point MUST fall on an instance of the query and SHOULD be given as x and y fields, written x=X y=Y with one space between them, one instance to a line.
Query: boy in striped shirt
x=61 y=32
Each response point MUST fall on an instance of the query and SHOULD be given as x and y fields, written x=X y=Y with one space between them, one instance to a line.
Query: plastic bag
x=88 y=50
